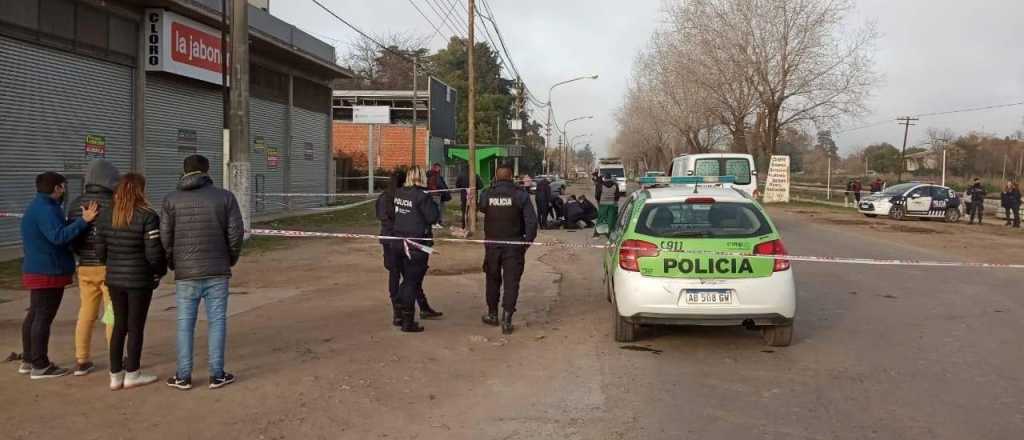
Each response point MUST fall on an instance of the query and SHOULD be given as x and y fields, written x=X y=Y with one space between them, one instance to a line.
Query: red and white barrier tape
x=811 y=259
x=348 y=194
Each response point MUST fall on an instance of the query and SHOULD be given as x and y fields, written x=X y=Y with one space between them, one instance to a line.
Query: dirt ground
x=880 y=352
x=991 y=242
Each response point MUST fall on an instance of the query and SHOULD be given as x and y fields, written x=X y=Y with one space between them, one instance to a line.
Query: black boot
x=491 y=318
x=396 y=319
x=427 y=312
x=506 y=323
x=409 y=324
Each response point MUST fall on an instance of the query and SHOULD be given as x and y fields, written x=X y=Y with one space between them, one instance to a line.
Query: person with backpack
x=202 y=232
x=100 y=180
x=130 y=248
x=47 y=268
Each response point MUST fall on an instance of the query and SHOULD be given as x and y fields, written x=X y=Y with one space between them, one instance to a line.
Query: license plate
x=708 y=296
x=865 y=206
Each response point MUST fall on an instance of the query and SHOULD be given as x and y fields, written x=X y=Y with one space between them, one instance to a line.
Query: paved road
x=880 y=352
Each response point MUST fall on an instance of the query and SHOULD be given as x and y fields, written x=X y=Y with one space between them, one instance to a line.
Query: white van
x=719 y=164
x=613 y=167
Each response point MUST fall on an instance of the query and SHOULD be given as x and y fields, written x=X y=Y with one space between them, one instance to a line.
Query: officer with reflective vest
x=415 y=213
x=508 y=216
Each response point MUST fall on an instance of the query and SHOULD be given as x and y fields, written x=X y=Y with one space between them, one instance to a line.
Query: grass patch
x=336 y=221
x=812 y=206
x=10 y=276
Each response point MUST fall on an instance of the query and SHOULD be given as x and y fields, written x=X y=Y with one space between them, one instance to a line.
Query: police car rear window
x=716 y=220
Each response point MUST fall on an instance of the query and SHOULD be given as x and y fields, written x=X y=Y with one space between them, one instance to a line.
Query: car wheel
x=625 y=331
x=952 y=215
x=898 y=213
x=777 y=335
x=871 y=215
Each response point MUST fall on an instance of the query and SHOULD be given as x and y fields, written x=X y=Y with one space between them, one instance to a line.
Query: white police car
x=698 y=252
x=913 y=199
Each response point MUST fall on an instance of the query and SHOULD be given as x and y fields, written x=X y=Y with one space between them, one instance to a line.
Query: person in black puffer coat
x=135 y=259
x=415 y=214
x=100 y=181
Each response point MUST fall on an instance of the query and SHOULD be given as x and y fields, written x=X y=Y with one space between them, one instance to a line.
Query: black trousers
x=1016 y=216
x=131 y=306
x=394 y=262
x=462 y=205
x=543 y=207
x=977 y=210
x=503 y=266
x=35 y=330
x=413 y=268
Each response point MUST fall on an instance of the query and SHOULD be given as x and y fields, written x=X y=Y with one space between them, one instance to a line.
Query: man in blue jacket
x=48 y=267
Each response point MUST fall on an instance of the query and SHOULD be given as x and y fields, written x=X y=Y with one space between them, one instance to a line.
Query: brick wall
x=393 y=147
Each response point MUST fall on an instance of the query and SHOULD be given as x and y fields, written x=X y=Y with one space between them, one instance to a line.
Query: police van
x=915 y=199
x=697 y=251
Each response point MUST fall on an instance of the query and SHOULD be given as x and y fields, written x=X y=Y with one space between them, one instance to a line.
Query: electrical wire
x=922 y=115
x=437 y=30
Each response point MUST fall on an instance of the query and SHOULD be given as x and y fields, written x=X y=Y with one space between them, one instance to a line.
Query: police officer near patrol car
x=415 y=214
x=976 y=196
x=508 y=216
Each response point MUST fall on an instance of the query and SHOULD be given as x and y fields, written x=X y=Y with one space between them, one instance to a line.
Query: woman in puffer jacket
x=135 y=259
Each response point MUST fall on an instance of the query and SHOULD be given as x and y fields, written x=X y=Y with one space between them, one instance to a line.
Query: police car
x=698 y=252
x=913 y=200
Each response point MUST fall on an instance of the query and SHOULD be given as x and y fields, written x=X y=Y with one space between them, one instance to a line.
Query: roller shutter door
x=183 y=117
x=308 y=157
x=50 y=101
x=268 y=154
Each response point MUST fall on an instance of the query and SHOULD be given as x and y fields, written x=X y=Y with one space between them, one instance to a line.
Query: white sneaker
x=25 y=368
x=137 y=379
x=116 y=381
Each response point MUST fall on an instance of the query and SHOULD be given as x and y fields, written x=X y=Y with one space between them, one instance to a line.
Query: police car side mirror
x=915 y=196
x=601 y=230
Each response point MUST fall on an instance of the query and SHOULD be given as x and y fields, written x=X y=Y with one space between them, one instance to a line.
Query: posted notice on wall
x=776 y=188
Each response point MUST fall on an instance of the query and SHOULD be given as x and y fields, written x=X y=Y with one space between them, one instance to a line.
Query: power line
x=949 y=112
x=436 y=29
x=444 y=17
x=452 y=25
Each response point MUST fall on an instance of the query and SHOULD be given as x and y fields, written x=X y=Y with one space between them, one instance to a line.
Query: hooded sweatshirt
x=100 y=181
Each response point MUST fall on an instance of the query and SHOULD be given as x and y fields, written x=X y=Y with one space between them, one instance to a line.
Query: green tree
x=883 y=157
x=494 y=98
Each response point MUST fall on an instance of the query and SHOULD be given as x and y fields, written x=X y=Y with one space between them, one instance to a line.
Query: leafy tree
x=494 y=97
x=883 y=157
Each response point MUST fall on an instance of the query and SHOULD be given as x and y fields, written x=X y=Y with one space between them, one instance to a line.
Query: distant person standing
x=508 y=216
x=100 y=180
x=462 y=183
x=976 y=197
x=856 y=189
x=876 y=186
x=543 y=197
x=608 y=202
x=48 y=267
x=1011 y=198
x=439 y=194
x=848 y=193
x=202 y=231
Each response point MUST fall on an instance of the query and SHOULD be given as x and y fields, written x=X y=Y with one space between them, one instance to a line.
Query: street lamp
x=565 y=148
x=548 y=104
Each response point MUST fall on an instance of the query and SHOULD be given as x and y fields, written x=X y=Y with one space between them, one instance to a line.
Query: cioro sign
x=181 y=46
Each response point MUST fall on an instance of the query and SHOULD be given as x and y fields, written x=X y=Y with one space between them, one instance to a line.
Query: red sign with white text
x=194 y=47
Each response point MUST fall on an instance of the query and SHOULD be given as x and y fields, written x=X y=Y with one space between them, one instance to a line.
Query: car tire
x=870 y=215
x=952 y=215
x=898 y=213
x=625 y=331
x=777 y=335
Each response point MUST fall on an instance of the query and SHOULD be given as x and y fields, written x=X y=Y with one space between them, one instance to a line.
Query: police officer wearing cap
x=415 y=213
x=508 y=216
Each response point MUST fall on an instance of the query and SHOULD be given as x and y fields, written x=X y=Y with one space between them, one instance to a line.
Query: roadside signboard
x=371 y=114
x=776 y=188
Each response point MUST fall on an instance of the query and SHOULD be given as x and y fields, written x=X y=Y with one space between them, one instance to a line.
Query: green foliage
x=883 y=157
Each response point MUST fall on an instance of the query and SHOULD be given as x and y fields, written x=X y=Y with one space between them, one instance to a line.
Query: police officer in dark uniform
x=508 y=216
x=543 y=197
x=415 y=213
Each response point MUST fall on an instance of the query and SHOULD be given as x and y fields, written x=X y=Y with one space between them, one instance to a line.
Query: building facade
x=139 y=83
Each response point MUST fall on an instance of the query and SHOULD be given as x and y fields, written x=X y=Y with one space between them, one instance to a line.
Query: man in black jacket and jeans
x=508 y=216
x=202 y=231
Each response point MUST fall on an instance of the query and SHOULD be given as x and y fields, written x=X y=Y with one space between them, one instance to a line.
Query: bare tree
x=372 y=64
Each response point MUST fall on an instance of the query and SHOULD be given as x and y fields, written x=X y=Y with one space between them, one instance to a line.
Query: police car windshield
x=716 y=220
x=614 y=172
x=897 y=190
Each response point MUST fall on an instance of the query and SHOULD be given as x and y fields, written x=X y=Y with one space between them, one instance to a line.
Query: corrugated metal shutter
x=308 y=157
x=49 y=102
x=267 y=127
x=183 y=117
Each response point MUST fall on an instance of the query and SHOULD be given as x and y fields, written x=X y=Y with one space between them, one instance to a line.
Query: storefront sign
x=308 y=152
x=776 y=189
x=182 y=46
x=259 y=144
x=273 y=157
x=371 y=114
x=95 y=145
x=188 y=141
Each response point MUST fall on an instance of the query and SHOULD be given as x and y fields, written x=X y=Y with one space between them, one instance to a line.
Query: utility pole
x=238 y=165
x=225 y=11
x=471 y=70
x=906 y=123
x=415 y=96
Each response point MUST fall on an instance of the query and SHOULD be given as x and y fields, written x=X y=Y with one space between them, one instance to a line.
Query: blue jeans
x=214 y=292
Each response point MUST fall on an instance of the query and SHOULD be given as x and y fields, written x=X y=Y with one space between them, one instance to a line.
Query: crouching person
x=131 y=250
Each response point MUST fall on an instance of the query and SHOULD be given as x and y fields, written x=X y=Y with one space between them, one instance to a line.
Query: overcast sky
x=935 y=55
